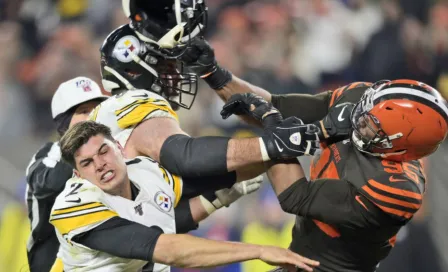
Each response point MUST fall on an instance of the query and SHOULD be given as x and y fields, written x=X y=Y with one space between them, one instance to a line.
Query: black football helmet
x=166 y=22
x=128 y=63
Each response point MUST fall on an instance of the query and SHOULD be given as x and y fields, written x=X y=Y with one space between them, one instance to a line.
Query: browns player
x=365 y=187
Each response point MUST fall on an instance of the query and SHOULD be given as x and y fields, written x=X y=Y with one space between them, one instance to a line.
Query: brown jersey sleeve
x=309 y=108
x=349 y=93
x=312 y=108
x=331 y=201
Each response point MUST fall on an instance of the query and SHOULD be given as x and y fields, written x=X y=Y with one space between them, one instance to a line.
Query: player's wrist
x=217 y=78
x=210 y=202
x=263 y=149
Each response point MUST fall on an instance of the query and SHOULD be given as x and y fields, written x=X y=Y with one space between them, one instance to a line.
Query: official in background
x=46 y=174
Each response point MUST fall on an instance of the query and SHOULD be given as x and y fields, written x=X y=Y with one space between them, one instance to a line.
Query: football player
x=147 y=86
x=46 y=174
x=117 y=214
x=364 y=188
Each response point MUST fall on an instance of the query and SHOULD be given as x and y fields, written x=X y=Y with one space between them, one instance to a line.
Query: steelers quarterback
x=118 y=215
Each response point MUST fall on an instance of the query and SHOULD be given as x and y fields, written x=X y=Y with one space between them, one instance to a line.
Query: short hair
x=79 y=135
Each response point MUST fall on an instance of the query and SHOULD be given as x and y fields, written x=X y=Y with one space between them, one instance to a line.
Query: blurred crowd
x=284 y=46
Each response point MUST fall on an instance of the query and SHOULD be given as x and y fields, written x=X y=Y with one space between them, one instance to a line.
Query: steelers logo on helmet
x=126 y=47
x=163 y=201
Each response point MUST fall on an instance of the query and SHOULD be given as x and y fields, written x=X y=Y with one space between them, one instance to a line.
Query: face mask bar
x=179 y=89
x=361 y=118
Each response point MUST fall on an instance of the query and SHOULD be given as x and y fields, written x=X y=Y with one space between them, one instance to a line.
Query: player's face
x=82 y=112
x=101 y=162
x=367 y=128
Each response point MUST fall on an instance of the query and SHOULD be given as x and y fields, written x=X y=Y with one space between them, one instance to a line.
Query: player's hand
x=291 y=138
x=337 y=123
x=254 y=106
x=239 y=189
x=198 y=57
x=285 y=258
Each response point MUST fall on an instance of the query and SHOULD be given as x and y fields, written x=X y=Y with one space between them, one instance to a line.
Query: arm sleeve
x=332 y=201
x=309 y=108
x=193 y=187
x=46 y=174
x=195 y=157
x=122 y=238
x=183 y=217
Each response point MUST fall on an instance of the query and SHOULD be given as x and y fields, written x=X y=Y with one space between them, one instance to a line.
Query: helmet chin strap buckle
x=169 y=40
x=395 y=136
x=156 y=88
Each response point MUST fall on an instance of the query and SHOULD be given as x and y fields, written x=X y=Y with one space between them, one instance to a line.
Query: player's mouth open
x=106 y=177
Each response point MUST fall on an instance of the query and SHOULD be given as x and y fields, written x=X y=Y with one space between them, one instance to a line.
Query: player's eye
x=85 y=164
x=103 y=151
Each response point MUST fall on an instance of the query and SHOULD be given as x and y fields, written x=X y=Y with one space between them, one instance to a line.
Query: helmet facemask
x=367 y=135
x=176 y=86
x=130 y=64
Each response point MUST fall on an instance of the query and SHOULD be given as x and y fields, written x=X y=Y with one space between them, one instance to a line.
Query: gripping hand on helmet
x=199 y=58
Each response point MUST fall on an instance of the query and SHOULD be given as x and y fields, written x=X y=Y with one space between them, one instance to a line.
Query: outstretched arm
x=203 y=156
x=126 y=239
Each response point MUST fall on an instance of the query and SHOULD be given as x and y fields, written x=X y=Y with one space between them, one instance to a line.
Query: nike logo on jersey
x=278 y=147
x=340 y=119
x=392 y=179
x=74 y=201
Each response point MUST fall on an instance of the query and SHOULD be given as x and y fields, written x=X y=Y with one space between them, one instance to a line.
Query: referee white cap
x=74 y=92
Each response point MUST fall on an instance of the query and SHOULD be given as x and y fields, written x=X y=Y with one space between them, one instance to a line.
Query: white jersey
x=83 y=206
x=123 y=112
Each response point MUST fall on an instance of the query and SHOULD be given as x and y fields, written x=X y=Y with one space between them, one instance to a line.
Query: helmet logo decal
x=125 y=47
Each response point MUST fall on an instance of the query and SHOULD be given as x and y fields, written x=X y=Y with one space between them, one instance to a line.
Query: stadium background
x=285 y=46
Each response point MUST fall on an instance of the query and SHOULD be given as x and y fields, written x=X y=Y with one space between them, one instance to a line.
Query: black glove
x=254 y=106
x=337 y=123
x=199 y=58
x=290 y=139
x=283 y=139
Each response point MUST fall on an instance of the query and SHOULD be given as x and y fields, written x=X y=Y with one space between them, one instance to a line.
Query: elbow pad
x=195 y=157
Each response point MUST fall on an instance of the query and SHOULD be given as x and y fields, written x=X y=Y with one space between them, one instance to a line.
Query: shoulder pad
x=80 y=204
x=398 y=190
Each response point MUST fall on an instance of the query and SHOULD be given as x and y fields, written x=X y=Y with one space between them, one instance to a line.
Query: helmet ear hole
x=389 y=108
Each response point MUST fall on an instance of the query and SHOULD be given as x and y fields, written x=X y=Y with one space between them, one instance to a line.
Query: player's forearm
x=283 y=175
x=237 y=85
x=192 y=252
x=242 y=153
x=198 y=211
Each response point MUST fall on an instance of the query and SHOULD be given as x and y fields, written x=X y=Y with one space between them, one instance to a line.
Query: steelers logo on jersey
x=163 y=201
x=126 y=47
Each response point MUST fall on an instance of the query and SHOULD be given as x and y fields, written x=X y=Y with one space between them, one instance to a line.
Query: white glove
x=225 y=197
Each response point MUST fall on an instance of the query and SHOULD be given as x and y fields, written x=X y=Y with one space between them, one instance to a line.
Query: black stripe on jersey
x=134 y=161
x=391 y=205
x=76 y=206
x=52 y=220
x=416 y=99
x=395 y=196
x=64 y=215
